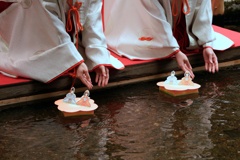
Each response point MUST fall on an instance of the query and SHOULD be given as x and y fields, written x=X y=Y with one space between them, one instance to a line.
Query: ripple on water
x=132 y=122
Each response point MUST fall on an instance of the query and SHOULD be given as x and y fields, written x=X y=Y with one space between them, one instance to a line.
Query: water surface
x=134 y=122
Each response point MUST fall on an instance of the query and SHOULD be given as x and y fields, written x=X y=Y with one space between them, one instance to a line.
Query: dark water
x=135 y=122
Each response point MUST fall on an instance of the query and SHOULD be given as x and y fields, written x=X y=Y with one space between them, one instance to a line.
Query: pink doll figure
x=84 y=101
x=186 y=80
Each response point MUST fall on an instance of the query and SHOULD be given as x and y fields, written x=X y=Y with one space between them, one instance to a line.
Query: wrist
x=176 y=52
x=205 y=47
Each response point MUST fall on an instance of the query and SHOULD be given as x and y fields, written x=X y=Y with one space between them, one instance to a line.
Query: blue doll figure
x=70 y=97
x=172 y=79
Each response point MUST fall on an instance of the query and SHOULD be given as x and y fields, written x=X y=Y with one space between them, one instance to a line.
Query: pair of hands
x=210 y=59
x=102 y=75
x=102 y=72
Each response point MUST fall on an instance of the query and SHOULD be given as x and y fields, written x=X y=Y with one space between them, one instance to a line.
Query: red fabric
x=4 y=5
x=4 y=80
x=180 y=34
x=233 y=35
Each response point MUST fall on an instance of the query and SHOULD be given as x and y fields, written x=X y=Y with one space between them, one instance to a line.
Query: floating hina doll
x=172 y=79
x=175 y=87
x=70 y=97
x=74 y=106
x=85 y=99
x=186 y=80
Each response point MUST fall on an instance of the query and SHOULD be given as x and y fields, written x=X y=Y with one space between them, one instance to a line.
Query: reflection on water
x=134 y=122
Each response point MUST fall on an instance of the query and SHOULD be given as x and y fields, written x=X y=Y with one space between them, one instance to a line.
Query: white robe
x=34 y=43
x=129 y=24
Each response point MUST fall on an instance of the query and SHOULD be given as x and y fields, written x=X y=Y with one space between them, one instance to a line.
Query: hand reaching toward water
x=210 y=59
x=83 y=75
x=184 y=63
x=102 y=75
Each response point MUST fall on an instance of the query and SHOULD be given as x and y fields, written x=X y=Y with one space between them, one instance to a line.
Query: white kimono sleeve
x=34 y=43
x=94 y=41
x=200 y=18
x=201 y=21
x=199 y=25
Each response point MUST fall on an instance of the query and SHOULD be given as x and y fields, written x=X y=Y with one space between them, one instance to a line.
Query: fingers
x=102 y=76
x=106 y=77
x=184 y=63
x=83 y=75
x=211 y=61
x=191 y=74
x=187 y=67
x=215 y=61
x=87 y=76
x=212 y=65
x=206 y=66
x=86 y=80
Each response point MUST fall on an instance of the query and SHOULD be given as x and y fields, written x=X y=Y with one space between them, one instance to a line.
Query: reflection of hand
x=184 y=63
x=83 y=75
x=210 y=59
x=102 y=75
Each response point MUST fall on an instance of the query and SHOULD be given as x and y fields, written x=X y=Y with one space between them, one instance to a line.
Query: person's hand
x=102 y=76
x=210 y=59
x=83 y=75
x=184 y=63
